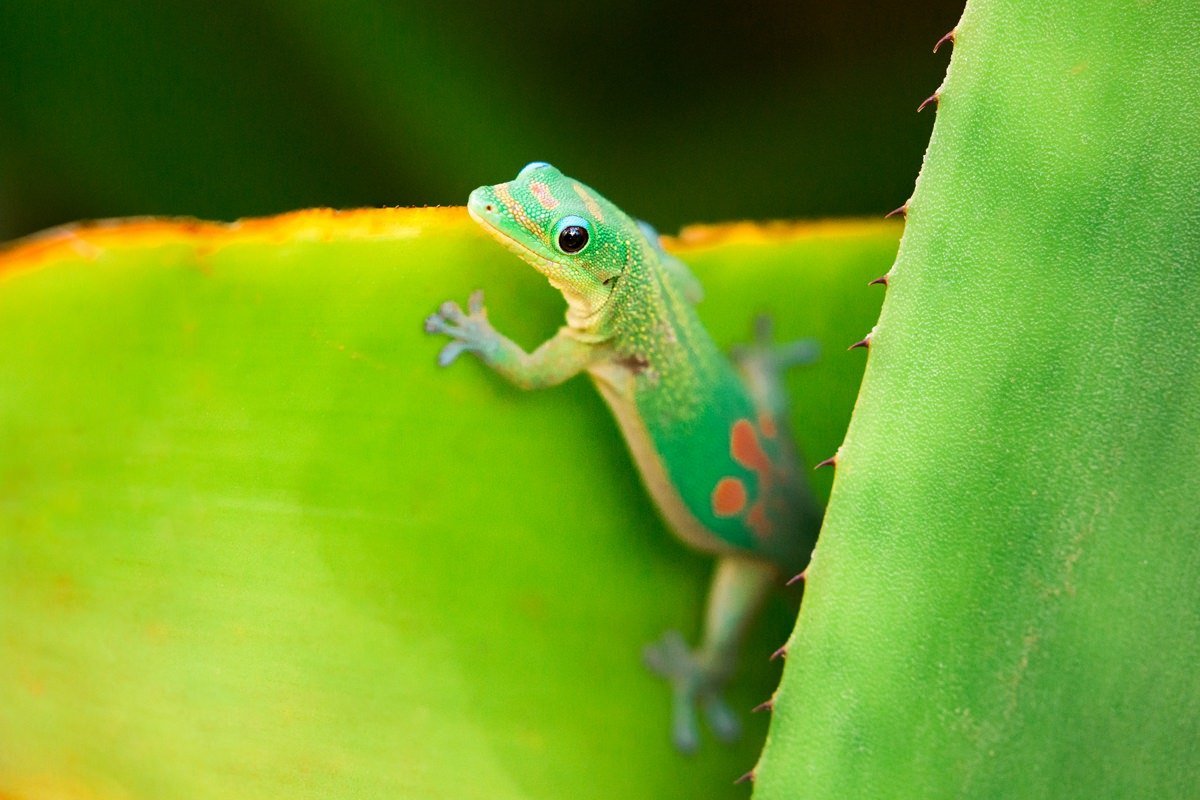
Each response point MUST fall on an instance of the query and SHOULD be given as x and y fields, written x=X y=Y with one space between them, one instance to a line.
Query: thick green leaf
x=253 y=543
x=1004 y=601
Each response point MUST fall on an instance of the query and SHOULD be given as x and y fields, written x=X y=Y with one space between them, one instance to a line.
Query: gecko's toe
x=451 y=311
x=685 y=732
x=669 y=657
x=798 y=353
x=450 y=352
x=724 y=723
x=764 y=330
x=436 y=323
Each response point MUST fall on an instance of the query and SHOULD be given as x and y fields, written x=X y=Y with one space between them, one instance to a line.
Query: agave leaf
x=1004 y=601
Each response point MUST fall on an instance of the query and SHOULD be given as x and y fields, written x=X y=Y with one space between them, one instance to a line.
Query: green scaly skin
x=707 y=434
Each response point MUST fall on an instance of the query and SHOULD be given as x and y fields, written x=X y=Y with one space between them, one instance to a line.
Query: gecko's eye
x=572 y=234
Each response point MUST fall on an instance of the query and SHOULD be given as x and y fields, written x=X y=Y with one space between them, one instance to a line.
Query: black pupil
x=573 y=238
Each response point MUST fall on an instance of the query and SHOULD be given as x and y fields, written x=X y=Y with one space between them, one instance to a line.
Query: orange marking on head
x=766 y=424
x=729 y=497
x=518 y=211
x=592 y=206
x=541 y=191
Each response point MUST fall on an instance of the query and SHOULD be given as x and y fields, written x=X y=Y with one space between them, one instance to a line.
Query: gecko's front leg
x=558 y=358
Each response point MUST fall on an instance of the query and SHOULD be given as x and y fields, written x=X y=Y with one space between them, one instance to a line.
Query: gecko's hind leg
x=698 y=677
x=762 y=365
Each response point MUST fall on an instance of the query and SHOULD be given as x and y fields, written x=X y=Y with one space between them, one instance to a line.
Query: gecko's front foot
x=694 y=682
x=468 y=330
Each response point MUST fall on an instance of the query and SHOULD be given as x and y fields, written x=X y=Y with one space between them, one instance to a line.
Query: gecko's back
x=717 y=459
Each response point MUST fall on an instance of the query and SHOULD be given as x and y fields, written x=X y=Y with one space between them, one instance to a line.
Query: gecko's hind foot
x=692 y=683
x=764 y=330
x=797 y=353
x=764 y=354
x=721 y=719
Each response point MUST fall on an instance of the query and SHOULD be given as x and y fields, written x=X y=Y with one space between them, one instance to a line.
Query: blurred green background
x=227 y=109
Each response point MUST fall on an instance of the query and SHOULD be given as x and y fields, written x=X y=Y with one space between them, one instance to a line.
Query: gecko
x=708 y=433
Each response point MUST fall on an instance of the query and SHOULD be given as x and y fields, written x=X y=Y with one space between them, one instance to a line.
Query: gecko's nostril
x=489 y=208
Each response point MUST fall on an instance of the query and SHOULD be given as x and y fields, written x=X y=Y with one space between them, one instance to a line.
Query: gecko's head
x=581 y=242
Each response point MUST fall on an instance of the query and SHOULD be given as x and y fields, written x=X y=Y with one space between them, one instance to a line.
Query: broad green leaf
x=1005 y=599
x=254 y=543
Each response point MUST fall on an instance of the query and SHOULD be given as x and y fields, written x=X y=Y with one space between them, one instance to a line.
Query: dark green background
x=228 y=109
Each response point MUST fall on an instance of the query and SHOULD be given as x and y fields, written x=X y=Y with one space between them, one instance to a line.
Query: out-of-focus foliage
x=229 y=108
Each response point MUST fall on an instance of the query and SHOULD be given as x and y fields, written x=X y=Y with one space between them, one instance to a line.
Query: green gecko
x=708 y=435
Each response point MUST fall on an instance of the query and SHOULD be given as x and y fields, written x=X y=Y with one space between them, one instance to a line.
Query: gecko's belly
x=658 y=481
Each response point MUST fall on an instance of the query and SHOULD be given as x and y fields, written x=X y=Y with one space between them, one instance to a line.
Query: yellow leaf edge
x=89 y=239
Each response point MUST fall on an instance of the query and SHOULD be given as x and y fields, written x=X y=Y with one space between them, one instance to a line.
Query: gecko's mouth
x=539 y=261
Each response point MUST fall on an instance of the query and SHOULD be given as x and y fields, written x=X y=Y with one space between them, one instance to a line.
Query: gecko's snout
x=482 y=202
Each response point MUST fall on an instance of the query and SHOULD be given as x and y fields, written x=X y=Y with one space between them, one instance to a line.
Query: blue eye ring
x=572 y=235
x=530 y=167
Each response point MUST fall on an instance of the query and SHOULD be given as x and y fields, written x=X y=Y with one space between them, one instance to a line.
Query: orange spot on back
x=729 y=497
x=766 y=423
x=758 y=522
x=746 y=449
